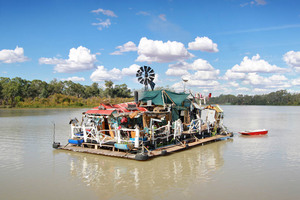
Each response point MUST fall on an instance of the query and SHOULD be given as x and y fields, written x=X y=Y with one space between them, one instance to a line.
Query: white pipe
x=84 y=133
x=168 y=131
x=119 y=136
x=137 y=137
x=72 y=131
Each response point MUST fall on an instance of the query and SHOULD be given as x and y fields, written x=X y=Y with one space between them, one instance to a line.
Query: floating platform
x=110 y=150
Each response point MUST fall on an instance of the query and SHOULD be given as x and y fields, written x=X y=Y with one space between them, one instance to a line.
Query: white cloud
x=102 y=74
x=255 y=2
x=203 y=83
x=206 y=75
x=105 y=12
x=130 y=71
x=143 y=13
x=74 y=79
x=203 y=44
x=255 y=64
x=157 y=79
x=13 y=56
x=274 y=81
x=260 y=2
x=178 y=87
x=158 y=51
x=243 y=89
x=203 y=75
x=229 y=75
x=233 y=84
x=296 y=82
x=197 y=65
x=162 y=17
x=176 y=72
x=292 y=58
x=80 y=59
x=202 y=65
x=255 y=79
x=129 y=46
x=102 y=24
x=278 y=78
x=260 y=90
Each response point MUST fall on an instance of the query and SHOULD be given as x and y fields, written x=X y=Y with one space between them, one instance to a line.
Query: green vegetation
x=21 y=93
x=281 y=97
x=18 y=92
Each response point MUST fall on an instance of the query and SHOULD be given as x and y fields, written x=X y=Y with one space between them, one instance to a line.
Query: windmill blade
x=142 y=81
x=152 y=85
x=138 y=74
x=151 y=71
x=140 y=78
x=152 y=75
x=147 y=69
x=142 y=69
x=151 y=79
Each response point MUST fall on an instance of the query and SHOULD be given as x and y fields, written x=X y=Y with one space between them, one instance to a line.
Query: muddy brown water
x=255 y=167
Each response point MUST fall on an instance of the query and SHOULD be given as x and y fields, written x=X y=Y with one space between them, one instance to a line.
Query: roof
x=106 y=109
x=161 y=97
x=100 y=112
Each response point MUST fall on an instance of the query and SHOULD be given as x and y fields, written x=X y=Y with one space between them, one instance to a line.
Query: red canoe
x=255 y=132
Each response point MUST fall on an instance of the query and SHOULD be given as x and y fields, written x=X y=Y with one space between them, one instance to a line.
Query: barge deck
x=95 y=149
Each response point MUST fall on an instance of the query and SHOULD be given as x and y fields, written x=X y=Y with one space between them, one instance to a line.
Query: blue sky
x=229 y=46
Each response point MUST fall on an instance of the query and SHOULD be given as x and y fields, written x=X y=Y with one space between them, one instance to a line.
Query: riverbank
x=64 y=101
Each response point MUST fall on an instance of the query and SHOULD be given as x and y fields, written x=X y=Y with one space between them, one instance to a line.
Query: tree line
x=18 y=92
x=280 y=97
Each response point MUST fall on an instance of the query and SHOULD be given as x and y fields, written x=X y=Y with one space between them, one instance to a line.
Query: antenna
x=184 y=82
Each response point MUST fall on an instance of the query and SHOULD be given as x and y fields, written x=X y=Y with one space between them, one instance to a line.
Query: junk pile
x=158 y=123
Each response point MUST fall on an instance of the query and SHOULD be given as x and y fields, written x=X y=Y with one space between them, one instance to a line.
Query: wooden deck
x=157 y=152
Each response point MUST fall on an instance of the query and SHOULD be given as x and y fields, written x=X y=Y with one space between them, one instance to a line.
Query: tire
x=55 y=145
x=163 y=153
x=141 y=157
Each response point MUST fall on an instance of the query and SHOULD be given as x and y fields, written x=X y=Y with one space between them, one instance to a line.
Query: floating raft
x=147 y=155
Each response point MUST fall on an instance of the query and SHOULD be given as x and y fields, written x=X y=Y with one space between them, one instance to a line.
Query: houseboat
x=158 y=123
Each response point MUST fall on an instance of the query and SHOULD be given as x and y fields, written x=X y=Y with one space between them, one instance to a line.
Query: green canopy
x=161 y=97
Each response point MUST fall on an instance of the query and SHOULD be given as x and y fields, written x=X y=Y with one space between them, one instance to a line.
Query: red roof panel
x=100 y=112
x=122 y=107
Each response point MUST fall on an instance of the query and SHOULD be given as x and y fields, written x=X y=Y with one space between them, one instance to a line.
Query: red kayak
x=255 y=132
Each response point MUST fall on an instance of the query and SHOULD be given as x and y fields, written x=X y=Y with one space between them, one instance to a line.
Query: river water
x=255 y=167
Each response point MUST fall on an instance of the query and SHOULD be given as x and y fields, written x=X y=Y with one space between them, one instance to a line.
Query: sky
x=218 y=46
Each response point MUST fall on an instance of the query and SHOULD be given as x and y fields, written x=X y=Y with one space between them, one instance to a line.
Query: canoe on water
x=255 y=132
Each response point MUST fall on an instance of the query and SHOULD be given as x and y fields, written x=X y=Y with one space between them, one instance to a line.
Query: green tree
x=56 y=87
x=38 y=88
x=14 y=89
x=108 y=89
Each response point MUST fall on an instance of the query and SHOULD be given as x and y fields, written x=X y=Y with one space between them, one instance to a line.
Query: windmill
x=146 y=76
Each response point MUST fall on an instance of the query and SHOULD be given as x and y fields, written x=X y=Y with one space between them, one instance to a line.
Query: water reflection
x=110 y=175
